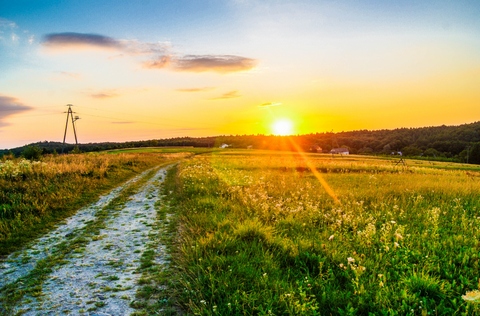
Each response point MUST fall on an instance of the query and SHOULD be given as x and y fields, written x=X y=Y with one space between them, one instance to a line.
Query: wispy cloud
x=195 y=89
x=104 y=94
x=4 y=23
x=71 y=75
x=11 y=34
x=10 y=106
x=268 y=104
x=159 y=55
x=228 y=95
x=158 y=63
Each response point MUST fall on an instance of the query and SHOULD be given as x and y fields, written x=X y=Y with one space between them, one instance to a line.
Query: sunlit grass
x=34 y=196
x=259 y=234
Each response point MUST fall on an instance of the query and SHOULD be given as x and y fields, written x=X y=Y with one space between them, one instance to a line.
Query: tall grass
x=34 y=196
x=259 y=235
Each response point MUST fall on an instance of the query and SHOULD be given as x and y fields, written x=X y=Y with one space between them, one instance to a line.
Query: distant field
x=278 y=233
x=196 y=150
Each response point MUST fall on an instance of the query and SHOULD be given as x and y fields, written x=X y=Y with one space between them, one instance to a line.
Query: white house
x=341 y=151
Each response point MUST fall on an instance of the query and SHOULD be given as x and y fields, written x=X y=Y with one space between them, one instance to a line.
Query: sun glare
x=282 y=127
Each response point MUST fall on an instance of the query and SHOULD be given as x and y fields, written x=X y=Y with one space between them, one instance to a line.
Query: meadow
x=36 y=195
x=272 y=233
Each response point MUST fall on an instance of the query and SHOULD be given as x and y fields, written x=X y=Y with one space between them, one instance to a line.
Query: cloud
x=195 y=89
x=71 y=75
x=72 y=40
x=10 y=106
x=217 y=63
x=11 y=34
x=159 y=63
x=159 y=55
x=228 y=95
x=268 y=104
x=104 y=94
x=4 y=23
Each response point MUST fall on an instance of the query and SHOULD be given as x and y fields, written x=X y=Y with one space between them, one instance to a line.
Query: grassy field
x=279 y=233
x=269 y=233
x=34 y=196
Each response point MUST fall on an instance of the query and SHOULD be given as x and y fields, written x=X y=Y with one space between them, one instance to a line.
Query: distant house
x=340 y=151
x=316 y=149
x=224 y=146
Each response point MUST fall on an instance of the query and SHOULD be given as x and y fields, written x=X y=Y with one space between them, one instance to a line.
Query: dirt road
x=90 y=265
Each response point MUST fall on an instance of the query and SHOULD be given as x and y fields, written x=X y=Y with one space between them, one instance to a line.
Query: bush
x=32 y=152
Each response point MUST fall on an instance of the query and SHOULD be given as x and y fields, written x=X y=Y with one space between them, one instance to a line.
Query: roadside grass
x=257 y=234
x=35 y=196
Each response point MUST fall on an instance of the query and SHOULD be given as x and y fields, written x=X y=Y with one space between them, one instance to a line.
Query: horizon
x=161 y=70
x=237 y=135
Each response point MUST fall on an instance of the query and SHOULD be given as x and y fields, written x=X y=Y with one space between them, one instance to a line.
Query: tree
x=473 y=154
x=32 y=152
x=76 y=150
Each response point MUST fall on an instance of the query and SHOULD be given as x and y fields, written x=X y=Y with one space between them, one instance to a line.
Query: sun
x=282 y=127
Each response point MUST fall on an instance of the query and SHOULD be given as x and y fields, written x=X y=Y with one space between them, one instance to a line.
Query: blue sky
x=155 y=69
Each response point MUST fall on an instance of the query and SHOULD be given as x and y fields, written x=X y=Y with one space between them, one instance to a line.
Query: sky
x=152 y=69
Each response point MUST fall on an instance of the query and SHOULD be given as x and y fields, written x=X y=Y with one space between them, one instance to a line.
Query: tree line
x=451 y=143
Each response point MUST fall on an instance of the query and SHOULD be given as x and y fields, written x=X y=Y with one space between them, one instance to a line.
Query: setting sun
x=282 y=127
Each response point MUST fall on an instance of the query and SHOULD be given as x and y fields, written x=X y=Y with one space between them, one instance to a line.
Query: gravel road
x=99 y=277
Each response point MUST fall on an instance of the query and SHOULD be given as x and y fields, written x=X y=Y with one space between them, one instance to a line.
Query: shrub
x=32 y=152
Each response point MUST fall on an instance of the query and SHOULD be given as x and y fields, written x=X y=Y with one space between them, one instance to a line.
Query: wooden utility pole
x=70 y=114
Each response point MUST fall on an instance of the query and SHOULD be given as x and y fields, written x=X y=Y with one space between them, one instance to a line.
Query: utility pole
x=70 y=114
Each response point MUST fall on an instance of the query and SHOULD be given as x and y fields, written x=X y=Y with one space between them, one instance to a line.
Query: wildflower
x=472 y=296
x=396 y=245
x=350 y=260
x=398 y=236
x=203 y=302
x=331 y=237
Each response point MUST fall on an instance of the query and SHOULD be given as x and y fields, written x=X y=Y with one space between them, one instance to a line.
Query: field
x=265 y=233
x=268 y=233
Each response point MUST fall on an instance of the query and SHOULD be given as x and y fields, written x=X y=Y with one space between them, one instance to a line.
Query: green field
x=260 y=235
x=280 y=233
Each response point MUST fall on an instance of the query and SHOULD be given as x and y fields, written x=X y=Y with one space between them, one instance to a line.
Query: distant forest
x=449 y=143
